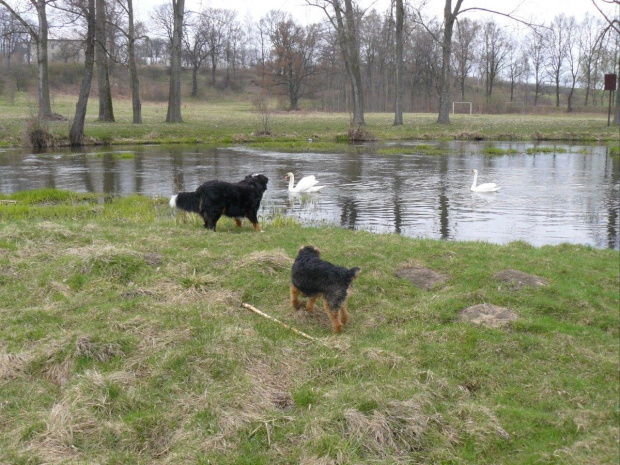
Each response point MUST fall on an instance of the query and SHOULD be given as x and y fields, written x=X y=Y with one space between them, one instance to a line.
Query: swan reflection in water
x=303 y=199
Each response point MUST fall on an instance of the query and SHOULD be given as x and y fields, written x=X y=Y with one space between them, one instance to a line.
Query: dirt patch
x=421 y=277
x=487 y=315
x=517 y=279
x=153 y=259
x=271 y=384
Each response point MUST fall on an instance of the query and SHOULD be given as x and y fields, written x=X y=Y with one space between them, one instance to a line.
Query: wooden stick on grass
x=296 y=331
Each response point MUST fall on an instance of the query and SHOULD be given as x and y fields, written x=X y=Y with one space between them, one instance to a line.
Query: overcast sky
x=544 y=10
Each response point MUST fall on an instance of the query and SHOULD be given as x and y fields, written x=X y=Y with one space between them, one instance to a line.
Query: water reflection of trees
x=612 y=166
x=354 y=170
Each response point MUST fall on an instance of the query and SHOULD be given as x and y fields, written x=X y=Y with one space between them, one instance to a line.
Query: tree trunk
x=213 y=66
x=444 y=79
x=174 y=95
x=398 y=103
x=76 y=134
x=617 y=113
x=133 y=69
x=347 y=38
x=446 y=51
x=194 y=81
x=45 y=106
x=294 y=106
x=106 y=112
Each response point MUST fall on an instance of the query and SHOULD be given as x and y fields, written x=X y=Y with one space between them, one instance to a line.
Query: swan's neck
x=475 y=180
x=291 y=181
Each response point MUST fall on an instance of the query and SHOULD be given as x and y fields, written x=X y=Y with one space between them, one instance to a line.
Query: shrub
x=360 y=134
x=37 y=134
x=263 y=114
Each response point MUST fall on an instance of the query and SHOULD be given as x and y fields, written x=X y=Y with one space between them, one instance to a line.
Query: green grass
x=231 y=120
x=124 y=341
x=545 y=149
x=499 y=151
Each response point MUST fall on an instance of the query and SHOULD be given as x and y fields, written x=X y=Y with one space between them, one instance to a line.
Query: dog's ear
x=316 y=249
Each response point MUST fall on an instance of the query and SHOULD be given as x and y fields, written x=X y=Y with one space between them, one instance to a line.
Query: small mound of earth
x=517 y=279
x=487 y=315
x=421 y=277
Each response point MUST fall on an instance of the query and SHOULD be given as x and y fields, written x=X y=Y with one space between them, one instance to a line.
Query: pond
x=549 y=194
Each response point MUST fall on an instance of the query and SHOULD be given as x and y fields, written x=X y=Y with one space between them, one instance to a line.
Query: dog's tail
x=188 y=201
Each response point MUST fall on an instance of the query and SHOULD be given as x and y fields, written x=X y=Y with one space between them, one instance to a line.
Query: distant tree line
x=385 y=61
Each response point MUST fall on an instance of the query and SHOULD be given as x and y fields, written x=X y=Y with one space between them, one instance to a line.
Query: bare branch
x=19 y=18
x=506 y=15
x=613 y=23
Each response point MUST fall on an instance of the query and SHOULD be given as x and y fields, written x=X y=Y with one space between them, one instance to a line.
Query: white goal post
x=461 y=103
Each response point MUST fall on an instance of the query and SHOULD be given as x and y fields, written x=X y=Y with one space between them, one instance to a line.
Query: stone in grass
x=517 y=279
x=487 y=315
x=421 y=277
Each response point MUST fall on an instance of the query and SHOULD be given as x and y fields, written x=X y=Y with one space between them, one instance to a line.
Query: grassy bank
x=124 y=341
x=235 y=121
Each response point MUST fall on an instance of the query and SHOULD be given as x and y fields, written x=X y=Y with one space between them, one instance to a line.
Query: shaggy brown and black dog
x=314 y=278
x=216 y=198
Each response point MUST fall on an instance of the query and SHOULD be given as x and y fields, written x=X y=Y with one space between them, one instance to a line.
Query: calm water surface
x=547 y=198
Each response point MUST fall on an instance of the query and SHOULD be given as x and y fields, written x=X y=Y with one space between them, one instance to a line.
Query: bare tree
x=613 y=25
x=293 y=60
x=573 y=60
x=87 y=10
x=588 y=41
x=517 y=65
x=557 y=46
x=174 y=96
x=344 y=19
x=106 y=111
x=399 y=68
x=131 y=37
x=39 y=36
x=494 y=52
x=465 y=37
x=215 y=23
x=449 y=18
x=234 y=37
x=162 y=18
x=536 y=49
x=13 y=36
x=194 y=49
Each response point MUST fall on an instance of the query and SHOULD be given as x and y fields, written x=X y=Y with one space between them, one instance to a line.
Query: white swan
x=487 y=187
x=305 y=184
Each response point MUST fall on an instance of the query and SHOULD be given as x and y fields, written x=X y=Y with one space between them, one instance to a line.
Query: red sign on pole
x=610 y=82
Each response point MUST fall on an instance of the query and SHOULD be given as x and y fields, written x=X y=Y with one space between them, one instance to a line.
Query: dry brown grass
x=267 y=261
x=12 y=365
x=397 y=429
